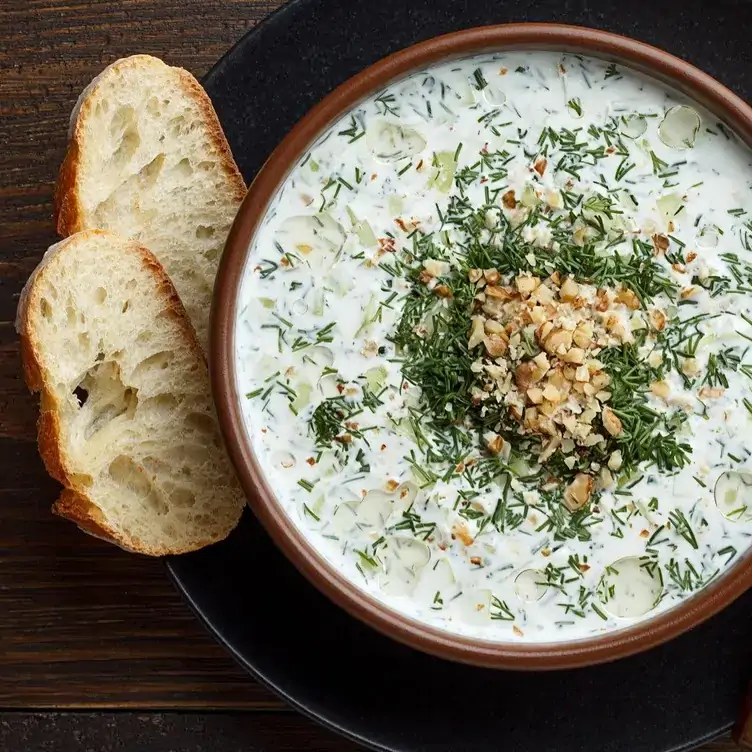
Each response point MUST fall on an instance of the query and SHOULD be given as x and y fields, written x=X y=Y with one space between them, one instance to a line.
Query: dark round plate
x=337 y=670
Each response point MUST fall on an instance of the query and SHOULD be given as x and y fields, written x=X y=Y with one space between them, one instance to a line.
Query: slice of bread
x=127 y=424
x=147 y=159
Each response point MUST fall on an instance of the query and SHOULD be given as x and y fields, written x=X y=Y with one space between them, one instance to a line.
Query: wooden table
x=85 y=628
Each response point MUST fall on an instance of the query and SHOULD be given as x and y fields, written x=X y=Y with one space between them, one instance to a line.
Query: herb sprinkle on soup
x=494 y=346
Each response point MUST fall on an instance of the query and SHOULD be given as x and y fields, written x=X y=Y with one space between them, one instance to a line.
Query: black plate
x=283 y=631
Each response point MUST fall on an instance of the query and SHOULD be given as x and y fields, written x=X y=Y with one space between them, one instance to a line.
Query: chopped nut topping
x=657 y=319
x=551 y=446
x=509 y=200
x=660 y=389
x=477 y=332
x=461 y=531
x=526 y=375
x=711 y=392
x=629 y=299
x=660 y=243
x=371 y=350
x=535 y=395
x=611 y=422
x=386 y=245
x=496 y=345
x=558 y=342
x=558 y=393
x=491 y=276
x=577 y=493
x=526 y=285
x=690 y=367
x=615 y=461
x=436 y=268
x=496 y=444
x=574 y=355
x=569 y=290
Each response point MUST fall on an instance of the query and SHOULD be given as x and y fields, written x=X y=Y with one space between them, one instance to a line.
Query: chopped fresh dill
x=307 y=510
x=479 y=78
x=387 y=104
x=682 y=527
x=575 y=105
x=354 y=132
x=500 y=611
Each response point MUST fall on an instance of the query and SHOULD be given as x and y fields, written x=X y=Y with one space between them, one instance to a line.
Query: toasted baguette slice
x=147 y=159
x=127 y=424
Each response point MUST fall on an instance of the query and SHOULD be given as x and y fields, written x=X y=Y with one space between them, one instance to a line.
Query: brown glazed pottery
x=659 y=65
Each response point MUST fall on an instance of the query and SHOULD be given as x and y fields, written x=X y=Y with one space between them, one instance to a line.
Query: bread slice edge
x=73 y=503
x=68 y=210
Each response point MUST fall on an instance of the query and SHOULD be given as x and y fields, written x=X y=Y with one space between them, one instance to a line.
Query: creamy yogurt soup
x=493 y=344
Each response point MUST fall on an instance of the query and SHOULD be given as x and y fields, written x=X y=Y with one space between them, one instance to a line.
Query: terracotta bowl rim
x=659 y=65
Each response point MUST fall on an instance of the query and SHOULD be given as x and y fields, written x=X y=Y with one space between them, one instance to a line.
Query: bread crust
x=74 y=504
x=76 y=508
x=69 y=212
x=67 y=208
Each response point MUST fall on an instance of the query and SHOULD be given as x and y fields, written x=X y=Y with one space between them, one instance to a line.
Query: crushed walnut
x=541 y=340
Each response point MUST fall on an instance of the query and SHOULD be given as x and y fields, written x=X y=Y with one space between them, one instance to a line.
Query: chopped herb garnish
x=480 y=81
x=354 y=132
x=683 y=528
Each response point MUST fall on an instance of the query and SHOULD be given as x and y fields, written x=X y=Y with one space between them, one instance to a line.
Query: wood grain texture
x=167 y=732
x=85 y=625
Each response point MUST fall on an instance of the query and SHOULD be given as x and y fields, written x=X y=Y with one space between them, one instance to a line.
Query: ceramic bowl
x=644 y=634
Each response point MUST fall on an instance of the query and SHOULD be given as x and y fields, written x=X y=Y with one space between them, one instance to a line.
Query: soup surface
x=493 y=344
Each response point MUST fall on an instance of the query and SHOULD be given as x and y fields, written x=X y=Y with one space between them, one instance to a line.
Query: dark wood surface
x=84 y=626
